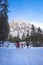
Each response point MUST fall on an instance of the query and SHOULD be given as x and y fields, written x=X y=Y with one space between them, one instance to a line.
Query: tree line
x=35 y=37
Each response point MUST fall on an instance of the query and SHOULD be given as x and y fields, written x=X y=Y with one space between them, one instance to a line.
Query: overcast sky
x=29 y=10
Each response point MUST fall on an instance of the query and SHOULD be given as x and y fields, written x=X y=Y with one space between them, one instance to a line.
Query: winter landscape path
x=29 y=56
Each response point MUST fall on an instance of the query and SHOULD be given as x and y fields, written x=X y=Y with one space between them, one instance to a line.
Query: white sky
x=37 y=24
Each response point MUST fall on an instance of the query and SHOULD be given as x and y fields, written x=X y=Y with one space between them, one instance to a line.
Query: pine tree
x=4 y=26
x=33 y=34
x=39 y=35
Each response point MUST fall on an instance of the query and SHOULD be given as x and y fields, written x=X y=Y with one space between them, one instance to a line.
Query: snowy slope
x=29 y=56
x=8 y=44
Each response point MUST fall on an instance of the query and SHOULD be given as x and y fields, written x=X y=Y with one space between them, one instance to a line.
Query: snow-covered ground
x=8 y=44
x=28 y=56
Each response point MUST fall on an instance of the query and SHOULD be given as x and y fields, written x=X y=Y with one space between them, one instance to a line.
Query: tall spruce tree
x=4 y=26
x=39 y=35
x=33 y=34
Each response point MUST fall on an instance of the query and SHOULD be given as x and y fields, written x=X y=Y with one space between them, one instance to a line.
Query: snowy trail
x=30 y=56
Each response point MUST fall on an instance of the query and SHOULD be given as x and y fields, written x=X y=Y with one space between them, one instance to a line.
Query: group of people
x=18 y=45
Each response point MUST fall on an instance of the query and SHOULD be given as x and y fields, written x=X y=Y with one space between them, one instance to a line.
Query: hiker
x=21 y=45
x=17 y=45
x=27 y=44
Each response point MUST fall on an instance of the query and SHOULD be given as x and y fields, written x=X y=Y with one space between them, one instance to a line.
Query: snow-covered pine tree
x=4 y=26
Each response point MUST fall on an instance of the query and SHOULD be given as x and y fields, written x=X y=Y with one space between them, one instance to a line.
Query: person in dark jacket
x=27 y=44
